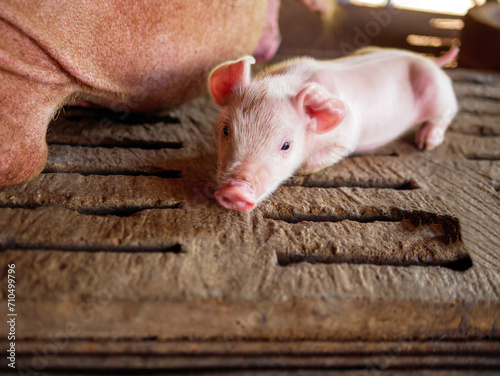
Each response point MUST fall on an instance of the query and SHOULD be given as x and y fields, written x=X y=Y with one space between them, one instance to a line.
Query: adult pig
x=306 y=114
x=133 y=55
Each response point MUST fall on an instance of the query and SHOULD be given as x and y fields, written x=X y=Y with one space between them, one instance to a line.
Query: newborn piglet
x=303 y=115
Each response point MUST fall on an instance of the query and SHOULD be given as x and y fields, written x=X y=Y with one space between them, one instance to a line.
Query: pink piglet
x=303 y=115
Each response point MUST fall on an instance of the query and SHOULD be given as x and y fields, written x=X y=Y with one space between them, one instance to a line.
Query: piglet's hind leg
x=435 y=98
x=431 y=132
x=441 y=108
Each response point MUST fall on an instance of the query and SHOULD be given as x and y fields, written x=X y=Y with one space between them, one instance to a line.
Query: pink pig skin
x=303 y=115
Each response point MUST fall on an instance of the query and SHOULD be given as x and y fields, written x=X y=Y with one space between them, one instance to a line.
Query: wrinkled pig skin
x=137 y=55
x=304 y=115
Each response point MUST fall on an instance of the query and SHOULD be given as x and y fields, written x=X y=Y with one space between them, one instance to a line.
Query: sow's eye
x=285 y=146
x=225 y=130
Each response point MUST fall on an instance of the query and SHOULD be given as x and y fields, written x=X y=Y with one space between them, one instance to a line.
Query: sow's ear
x=325 y=111
x=225 y=77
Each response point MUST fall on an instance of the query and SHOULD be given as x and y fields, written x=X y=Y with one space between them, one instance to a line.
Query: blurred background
x=429 y=27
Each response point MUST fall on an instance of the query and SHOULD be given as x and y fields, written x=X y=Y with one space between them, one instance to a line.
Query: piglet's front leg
x=326 y=157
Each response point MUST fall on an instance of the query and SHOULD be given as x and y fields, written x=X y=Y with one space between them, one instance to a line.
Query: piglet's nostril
x=225 y=201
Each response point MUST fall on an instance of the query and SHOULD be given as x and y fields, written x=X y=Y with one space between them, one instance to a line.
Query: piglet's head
x=266 y=129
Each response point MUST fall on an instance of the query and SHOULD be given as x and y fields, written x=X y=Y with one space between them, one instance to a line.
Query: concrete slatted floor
x=121 y=251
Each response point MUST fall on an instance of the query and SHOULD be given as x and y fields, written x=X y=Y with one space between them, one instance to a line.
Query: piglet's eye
x=285 y=146
x=225 y=130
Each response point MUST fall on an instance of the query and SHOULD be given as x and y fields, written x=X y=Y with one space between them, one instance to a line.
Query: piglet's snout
x=237 y=195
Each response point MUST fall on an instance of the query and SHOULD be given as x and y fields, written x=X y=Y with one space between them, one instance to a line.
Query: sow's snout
x=237 y=194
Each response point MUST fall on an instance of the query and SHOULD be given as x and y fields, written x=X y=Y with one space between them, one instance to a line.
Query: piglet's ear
x=225 y=77
x=325 y=111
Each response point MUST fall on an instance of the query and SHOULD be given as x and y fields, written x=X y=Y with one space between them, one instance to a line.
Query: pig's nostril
x=225 y=200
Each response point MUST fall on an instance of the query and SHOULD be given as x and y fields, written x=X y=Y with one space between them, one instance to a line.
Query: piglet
x=303 y=115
